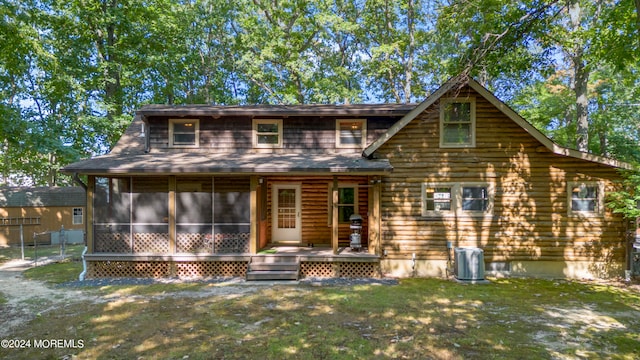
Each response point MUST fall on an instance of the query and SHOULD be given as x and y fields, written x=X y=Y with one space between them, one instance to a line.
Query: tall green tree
x=394 y=35
x=560 y=43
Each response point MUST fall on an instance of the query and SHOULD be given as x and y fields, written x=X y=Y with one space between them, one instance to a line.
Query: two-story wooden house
x=200 y=190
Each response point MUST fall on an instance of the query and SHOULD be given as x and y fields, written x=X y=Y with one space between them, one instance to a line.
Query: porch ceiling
x=225 y=163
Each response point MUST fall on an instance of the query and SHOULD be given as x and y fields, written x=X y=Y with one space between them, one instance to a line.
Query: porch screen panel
x=112 y=215
x=231 y=214
x=194 y=215
x=150 y=210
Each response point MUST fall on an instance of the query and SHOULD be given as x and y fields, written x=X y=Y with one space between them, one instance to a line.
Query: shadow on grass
x=420 y=318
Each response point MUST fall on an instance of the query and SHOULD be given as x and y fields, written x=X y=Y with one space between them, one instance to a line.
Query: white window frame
x=257 y=134
x=425 y=211
x=75 y=217
x=472 y=122
x=363 y=139
x=457 y=199
x=172 y=132
x=599 y=200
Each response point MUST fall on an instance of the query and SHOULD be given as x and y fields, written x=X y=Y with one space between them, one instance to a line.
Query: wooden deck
x=313 y=262
x=319 y=253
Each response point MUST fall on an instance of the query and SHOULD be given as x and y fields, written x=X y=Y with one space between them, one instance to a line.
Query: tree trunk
x=638 y=14
x=582 y=104
x=581 y=79
x=409 y=67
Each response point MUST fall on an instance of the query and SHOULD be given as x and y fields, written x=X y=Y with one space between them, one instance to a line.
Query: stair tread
x=273 y=266
x=272 y=275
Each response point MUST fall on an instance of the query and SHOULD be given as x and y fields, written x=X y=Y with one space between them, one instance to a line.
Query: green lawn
x=417 y=319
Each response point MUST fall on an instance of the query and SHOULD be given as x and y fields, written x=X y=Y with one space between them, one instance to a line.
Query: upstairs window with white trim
x=585 y=198
x=457 y=123
x=351 y=133
x=184 y=133
x=267 y=133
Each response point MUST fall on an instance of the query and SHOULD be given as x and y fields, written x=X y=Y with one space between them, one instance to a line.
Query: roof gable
x=462 y=80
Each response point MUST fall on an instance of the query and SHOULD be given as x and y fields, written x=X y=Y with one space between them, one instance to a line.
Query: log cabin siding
x=530 y=219
x=316 y=228
x=234 y=134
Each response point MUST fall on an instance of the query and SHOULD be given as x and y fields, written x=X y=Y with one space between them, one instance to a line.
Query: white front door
x=286 y=223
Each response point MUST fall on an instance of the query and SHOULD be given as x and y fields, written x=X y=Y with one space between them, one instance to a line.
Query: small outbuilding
x=41 y=210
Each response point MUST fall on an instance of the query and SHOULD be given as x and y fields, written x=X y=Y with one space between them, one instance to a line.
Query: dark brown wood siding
x=530 y=220
x=233 y=134
x=316 y=228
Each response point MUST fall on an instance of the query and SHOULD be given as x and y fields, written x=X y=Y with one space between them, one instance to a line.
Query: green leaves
x=73 y=72
x=627 y=200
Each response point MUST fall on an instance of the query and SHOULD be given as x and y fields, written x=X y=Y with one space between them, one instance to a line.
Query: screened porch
x=134 y=215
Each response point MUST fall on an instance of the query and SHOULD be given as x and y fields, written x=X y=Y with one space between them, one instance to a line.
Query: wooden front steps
x=273 y=267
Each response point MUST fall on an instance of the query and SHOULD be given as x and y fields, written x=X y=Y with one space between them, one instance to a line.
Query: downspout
x=82 y=275
x=84 y=264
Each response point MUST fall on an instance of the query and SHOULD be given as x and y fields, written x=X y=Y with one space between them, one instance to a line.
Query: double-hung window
x=457 y=122
x=444 y=199
x=351 y=133
x=437 y=199
x=184 y=132
x=585 y=198
x=346 y=203
x=78 y=217
x=475 y=198
x=267 y=133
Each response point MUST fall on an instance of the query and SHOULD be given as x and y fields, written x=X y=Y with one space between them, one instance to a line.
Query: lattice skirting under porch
x=191 y=269
x=160 y=269
x=340 y=269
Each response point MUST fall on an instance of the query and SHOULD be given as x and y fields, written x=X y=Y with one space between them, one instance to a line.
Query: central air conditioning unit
x=469 y=263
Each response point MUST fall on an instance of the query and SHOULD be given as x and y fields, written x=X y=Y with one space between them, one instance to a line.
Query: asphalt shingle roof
x=42 y=196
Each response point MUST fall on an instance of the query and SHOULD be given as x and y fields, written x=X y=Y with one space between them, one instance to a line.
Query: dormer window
x=351 y=133
x=457 y=123
x=267 y=133
x=184 y=132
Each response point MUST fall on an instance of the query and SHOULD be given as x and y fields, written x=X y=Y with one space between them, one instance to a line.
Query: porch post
x=253 y=215
x=374 y=219
x=91 y=186
x=334 y=215
x=172 y=214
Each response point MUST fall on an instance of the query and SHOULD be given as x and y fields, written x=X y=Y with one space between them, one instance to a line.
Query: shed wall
x=52 y=218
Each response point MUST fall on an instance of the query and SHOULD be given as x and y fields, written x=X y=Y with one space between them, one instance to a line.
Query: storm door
x=286 y=223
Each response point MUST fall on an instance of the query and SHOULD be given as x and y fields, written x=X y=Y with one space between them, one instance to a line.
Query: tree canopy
x=73 y=72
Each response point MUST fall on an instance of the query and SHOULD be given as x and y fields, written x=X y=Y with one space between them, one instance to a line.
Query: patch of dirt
x=28 y=299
